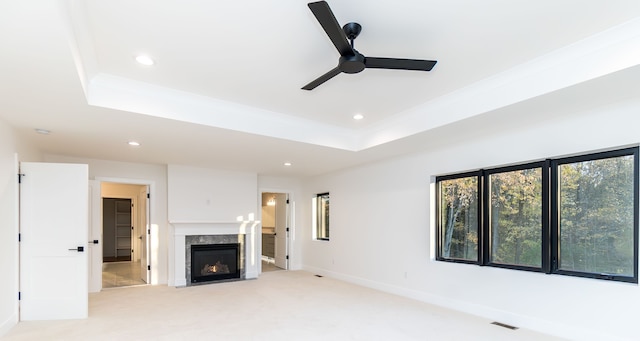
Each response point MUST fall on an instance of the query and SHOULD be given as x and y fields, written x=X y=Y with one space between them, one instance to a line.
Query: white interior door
x=281 y=238
x=143 y=213
x=95 y=236
x=53 y=227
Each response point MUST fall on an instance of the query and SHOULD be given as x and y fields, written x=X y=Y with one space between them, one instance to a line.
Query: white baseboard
x=522 y=321
x=9 y=323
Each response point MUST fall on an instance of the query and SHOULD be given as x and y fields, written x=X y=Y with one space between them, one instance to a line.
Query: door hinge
x=19 y=296
x=20 y=177
x=132 y=227
x=19 y=237
x=148 y=196
x=287 y=257
x=287 y=229
x=149 y=267
x=148 y=231
x=287 y=201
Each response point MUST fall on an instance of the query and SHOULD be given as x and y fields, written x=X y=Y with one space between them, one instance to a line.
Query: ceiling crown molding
x=609 y=51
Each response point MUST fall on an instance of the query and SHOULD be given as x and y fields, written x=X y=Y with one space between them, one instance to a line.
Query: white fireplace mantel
x=181 y=229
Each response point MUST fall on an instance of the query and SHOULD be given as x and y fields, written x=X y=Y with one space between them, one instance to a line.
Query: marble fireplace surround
x=210 y=231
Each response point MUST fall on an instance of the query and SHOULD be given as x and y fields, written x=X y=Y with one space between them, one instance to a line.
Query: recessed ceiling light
x=43 y=131
x=134 y=143
x=288 y=164
x=145 y=60
x=358 y=116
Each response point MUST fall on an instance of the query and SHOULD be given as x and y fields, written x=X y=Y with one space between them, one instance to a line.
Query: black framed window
x=596 y=215
x=514 y=215
x=458 y=203
x=573 y=216
x=322 y=216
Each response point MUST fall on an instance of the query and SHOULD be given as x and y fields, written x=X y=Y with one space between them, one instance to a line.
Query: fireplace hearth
x=215 y=262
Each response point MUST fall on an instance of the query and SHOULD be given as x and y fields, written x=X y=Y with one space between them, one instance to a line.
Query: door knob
x=79 y=249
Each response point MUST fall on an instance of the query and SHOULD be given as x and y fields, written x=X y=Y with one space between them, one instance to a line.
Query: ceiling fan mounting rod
x=352 y=30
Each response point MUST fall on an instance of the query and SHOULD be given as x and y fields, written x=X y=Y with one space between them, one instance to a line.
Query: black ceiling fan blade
x=399 y=64
x=329 y=23
x=327 y=76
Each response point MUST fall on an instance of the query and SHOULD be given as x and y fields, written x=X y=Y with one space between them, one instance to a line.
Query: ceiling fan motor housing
x=351 y=63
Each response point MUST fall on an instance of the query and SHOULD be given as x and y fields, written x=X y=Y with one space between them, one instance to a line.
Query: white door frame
x=290 y=218
x=143 y=242
x=16 y=229
x=95 y=233
x=153 y=252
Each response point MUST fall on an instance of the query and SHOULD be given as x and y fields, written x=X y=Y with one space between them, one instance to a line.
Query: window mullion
x=555 y=218
x=485 y=203
x=546 y=218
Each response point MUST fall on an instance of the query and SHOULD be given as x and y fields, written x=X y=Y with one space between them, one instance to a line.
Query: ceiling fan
x=352 y=61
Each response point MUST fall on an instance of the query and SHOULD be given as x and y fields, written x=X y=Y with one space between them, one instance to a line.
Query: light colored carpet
x=280 y=305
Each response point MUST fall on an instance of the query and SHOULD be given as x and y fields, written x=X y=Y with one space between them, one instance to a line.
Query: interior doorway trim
x=153 y=252
x=13 y=320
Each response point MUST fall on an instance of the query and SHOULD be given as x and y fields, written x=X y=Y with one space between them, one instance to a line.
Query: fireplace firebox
x=214 y=262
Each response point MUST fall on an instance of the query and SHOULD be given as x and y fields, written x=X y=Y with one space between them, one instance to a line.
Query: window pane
x=516 y=217
x=459 y=218
x=596 y=216
x=323 y=216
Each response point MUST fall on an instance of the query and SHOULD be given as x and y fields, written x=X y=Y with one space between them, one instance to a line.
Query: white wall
x=382 y=230
x=201 y=194
x=157 y=174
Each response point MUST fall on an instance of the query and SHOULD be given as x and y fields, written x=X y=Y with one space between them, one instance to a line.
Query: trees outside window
x=458 y=202
x=573 y=216
x=596 y=216
x=515 y=217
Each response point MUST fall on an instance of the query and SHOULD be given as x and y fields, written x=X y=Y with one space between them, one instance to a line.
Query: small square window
x=322 y=216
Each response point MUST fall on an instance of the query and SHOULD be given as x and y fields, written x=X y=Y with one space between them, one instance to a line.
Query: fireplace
x=188 y=234
x=215 y=262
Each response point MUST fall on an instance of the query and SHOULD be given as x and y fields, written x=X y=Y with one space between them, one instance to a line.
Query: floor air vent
x=504 y=325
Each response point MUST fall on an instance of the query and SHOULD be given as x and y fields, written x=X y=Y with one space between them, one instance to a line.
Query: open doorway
x=124 y=234
x=275 y=231
x=117 y=230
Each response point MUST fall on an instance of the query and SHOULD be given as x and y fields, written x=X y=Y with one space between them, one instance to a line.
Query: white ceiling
x=225 y=89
